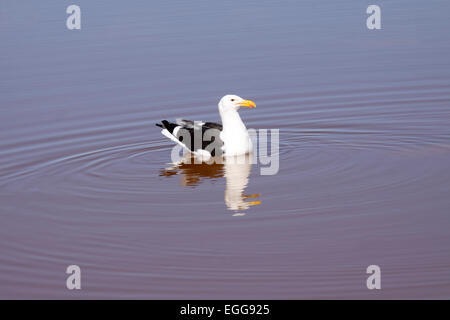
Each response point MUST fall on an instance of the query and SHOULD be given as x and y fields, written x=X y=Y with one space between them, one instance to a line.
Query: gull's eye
x=232 y=99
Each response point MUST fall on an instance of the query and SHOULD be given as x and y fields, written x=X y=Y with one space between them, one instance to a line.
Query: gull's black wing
x=185 y=131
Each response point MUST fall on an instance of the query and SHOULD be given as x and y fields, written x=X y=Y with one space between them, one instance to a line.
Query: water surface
x=86 y=178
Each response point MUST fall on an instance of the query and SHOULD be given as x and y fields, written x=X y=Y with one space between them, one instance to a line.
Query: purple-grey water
x=86 y=178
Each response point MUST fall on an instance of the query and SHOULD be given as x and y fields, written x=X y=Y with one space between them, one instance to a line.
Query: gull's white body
x=234 y=133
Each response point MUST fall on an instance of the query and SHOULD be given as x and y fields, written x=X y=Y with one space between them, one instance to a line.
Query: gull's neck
x=231 y=120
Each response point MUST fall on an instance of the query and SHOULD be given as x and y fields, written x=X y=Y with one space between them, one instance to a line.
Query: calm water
x=86 y=178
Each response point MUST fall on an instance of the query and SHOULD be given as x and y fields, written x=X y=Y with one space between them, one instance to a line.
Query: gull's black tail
x=167 y=125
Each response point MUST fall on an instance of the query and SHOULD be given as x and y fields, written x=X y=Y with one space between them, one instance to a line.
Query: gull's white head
x=231 y=102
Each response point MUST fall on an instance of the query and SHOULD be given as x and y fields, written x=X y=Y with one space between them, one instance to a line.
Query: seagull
x=208 y=139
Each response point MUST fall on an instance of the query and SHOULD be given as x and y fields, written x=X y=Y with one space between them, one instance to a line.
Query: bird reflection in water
x=236 y=171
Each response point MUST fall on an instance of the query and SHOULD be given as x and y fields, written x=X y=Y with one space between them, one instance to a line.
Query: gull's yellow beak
x=247 y=103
